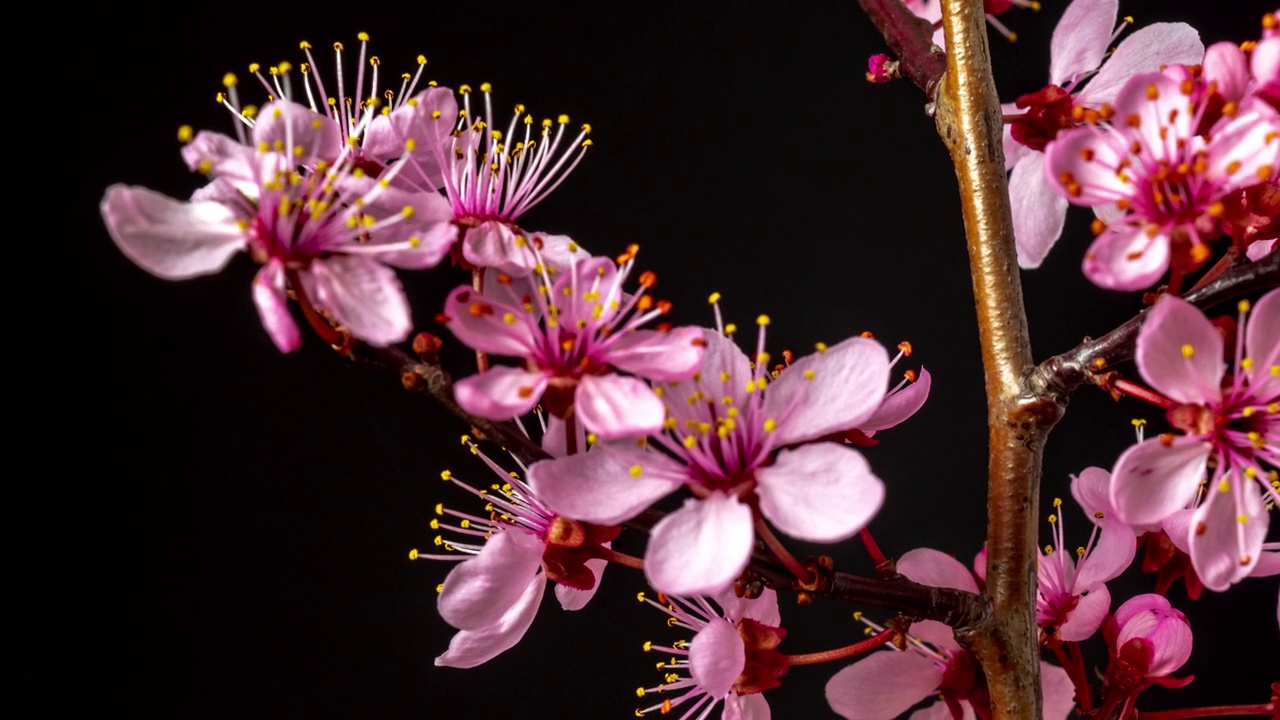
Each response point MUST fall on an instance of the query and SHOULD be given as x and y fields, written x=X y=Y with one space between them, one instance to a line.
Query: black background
x=207 y=527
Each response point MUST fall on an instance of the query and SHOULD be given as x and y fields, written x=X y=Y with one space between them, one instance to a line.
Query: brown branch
x=970 y=123
x=429 y=378
x=911 y=39
x=1062 y=374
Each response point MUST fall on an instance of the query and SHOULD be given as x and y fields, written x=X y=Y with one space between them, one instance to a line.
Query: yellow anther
x=446 y=475
x=1224 y=486
x=1138 y=422
x=413 y=554
x=1079 y=551
x=1188 y=351
x=434 y=524
x=715 y=298
x=820 y=347
x=1057 y=502
x=410 y=144
x=229 y=80
x=690 y=441
x=808 y=374
x=592 y=438
x=362 y=36
x=284 y=67
x=1243 y=306
x=185 y=133
x=1242 y=518
x=763 y=320
x=563 y=119
x=770 y=425
x=486 y=87
x=1053 y=519
x=730 y=329
x=1246 y=363
x=1099 y=514
x=1048 y=549
x=636 y=471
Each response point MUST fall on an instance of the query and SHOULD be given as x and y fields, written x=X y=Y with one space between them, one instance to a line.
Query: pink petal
x=936 y=569
x=427 y=119
x=1259 y=249
x=227 y=162
x=429 y=228
x=1057 y=691
x=273 y=307
x=1268 y=561
x=1161 y=106
x=1109 y=557
x=558 y=252
x=1146 y=50
x=746 y=707
x=882 y=685
x=1262 y=344
x=717 y=657
x=1014 y=151
x=588 y=295
x=480 y=590
x=169 y=238
x=1178 y=527
x=1092 y=491
x=493 y=244
x=1244 y=146
x=306 y=137
x=1151 y=480
x=1096 y=182
x=722 y=358
x=1265 y=66
x=606 y=485
x=1086 y=617
x=500 y=393
x=490 y=325
x=661 y=356
x=1220 y=543
x=700 y=548
x=900 y=405
x=1226 y=66
x=1170 y=328
x=1127 y=258
x=470 y=648
x=364 y=295
x=822 y=492
x=1153 y=619
x=574 y=599
x=1039 y=210
x=828 y=391
x=936 y=634
x=613 y=406
x=1080 y=40
x=763 y=609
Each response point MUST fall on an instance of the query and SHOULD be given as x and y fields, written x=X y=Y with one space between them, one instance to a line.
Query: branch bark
x=911 y=39
x=970 y=123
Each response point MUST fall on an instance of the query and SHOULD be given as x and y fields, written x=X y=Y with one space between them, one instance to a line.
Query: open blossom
x=572 y=334
x=1232 y=433
x=1072 y=597
x=297 y=201
x=1149 y=640
x=737 y=441
x=1158 y=176
x=887 y=683
x=1076 y=55
x=507 y=559
x=733 y=656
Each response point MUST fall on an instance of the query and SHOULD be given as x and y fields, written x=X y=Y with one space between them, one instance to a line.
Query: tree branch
x=911 y=39
x=1062 y=374
x=970 y=123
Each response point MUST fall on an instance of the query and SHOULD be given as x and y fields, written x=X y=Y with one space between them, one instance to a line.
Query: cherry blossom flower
x=1232 y=427
x=1078 y=53
x=1072 y=597
x=886 y=684
x=1149 y=640
x=1161 y=176
x=328 y=232
x=732 y=657
x=572 y=334
x=738 y=442
x=493 y=594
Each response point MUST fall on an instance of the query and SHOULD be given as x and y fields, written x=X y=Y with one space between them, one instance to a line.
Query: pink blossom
x=737 y=441
x=572 y=334
x=886 y=684
x=493 y=594
x=1159 y=174
x=732 y=657
x=297 y=201
x=1149 y=640
x=931 y=10
x=1078 y=53
x=1232 y=421
x=1072 y=597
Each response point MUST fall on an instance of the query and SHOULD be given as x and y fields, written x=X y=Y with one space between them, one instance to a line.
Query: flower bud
x=1157 y=632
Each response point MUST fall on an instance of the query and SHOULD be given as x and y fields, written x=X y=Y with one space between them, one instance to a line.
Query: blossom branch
x=969 y=121
x=911 y=39
x=1062 y=374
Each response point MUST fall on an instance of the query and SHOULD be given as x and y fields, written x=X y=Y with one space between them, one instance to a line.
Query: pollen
x=763 y=320
x=730 y=329
x=690 y=441
x=808 y=374
x=1188 y=351
x=1242 y=518
x=446 y=475
x=715 y=298
x=770 y=425
x=820 y=347
x=1224 y=486
x=636 y=471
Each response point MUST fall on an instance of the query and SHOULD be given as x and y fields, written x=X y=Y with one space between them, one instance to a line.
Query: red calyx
x=1048 y=111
